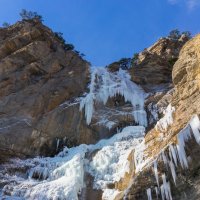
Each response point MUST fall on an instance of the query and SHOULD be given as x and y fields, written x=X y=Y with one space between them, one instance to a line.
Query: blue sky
x=107 y=30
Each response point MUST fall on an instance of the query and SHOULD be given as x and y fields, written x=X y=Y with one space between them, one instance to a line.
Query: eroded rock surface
x=41 y=87
x=36 y=76
x=185 y=99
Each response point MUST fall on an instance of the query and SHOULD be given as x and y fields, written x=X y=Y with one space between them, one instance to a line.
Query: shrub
x=27 y=15
x=125 y=63
x=5 y=25
x=174 y=34
x=65 y=45
x=68 y=47
x=187 y=34
x=172 y=61
x=135 y=58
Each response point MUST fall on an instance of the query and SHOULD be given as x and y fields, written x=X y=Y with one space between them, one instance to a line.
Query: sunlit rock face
x=36 y=77
x=115 y=133
x=153 y=66
x=184 y=131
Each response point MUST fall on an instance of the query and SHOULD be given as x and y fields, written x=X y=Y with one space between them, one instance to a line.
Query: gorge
x=71 y=131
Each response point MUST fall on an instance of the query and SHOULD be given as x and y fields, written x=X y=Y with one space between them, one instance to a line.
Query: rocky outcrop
x=36 y=76
x=185 y=99
x=41 y=87
x=152 y=67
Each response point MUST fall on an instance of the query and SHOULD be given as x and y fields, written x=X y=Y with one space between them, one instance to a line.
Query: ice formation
x=173 y=153
x=65 y=182
x=177 y=154
x=195 y=126
x=62 y=177
x=110 y=162
x=57 y=144
x=140 y=117
x=154 y=112
x=165 y=189
x=149 y=194
x=164 y=158
x=167 y=120
x=173 y=170
x=183 y=136
x=106 y=123
x=156 y=189
x=156 y=171
x=139 y=158
x=105 y=85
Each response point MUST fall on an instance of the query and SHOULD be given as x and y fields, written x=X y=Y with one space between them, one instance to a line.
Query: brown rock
x=185 y=99
x=36 y=76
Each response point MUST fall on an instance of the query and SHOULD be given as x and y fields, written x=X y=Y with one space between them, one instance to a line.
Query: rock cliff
x=147 y=111
x=185 y=99
x=39 y=85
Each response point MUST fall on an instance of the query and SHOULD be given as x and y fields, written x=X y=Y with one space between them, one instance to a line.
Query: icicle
x=195 y=126
x=182 y=156
x=57 y=145
x=183 y=136
x=39 y=172
x=105 y=85
x=156 y=189
x=164 y=158
x=173 y=171
x=88 y=103
x=165 y=189
x=140 y=117
x=173 y=152
x=155 y=166
x=149 y=194
x=167 y=120
x=64 y=140
x=162 y=192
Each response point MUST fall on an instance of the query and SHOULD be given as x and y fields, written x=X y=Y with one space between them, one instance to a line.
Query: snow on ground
x=62 y=177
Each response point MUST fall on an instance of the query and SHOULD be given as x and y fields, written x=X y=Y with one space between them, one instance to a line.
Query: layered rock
x=41 y=87
x=185 y=100
x=152 y=67
x=36 y=76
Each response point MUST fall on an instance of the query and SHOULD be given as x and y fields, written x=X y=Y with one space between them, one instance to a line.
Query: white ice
x=173 y=170
x=156 y=189
x=105 y=85
x=149 y=194
x=174 y=153
x=111 y=162
x=155 y=167
x=183 y=136
x=62 y=177
x=166 y=120
x=195 y=126
x=165 y=189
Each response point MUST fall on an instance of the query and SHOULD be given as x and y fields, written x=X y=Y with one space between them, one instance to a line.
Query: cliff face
x=148 y=114
x=185 y=99
x=36 y=76
x=152 y=67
